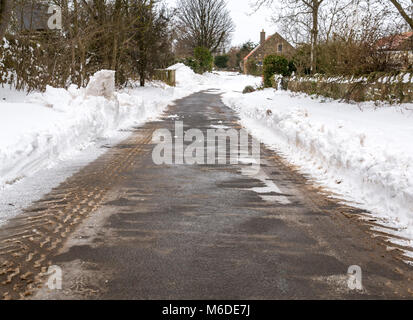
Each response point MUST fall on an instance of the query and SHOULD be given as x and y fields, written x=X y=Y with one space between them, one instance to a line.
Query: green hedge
x=274 y=64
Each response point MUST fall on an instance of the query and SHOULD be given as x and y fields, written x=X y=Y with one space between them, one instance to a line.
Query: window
x=280 y=47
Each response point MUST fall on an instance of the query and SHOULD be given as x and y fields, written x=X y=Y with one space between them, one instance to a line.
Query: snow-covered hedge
x=393 y=88
x=27 y=65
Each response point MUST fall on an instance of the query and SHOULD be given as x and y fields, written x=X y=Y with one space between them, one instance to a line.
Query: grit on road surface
x=124 y=228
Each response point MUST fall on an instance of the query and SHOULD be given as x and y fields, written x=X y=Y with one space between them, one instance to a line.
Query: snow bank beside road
x=55 y=125
x=221 y=81
x=364 y=154
x=185 y=77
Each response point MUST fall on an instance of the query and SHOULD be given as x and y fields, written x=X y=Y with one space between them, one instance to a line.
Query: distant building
x=398 y=49
x=274 y=44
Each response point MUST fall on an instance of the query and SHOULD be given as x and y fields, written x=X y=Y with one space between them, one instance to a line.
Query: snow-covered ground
x=221 y=81
x=53 y=126
x=44 y=137
x=360 y=152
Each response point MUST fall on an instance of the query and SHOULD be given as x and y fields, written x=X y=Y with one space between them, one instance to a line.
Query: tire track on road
x=29 y=241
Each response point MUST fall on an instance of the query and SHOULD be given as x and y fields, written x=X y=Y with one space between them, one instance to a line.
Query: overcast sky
x=248 y=27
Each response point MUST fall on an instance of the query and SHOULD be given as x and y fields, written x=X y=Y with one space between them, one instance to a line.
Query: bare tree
x=352 y=47
x=304 y=13
x=401 y=7
x=132 y=37
x=5 y=10
x=204 y=23
x=334 y=14
x=314 y=7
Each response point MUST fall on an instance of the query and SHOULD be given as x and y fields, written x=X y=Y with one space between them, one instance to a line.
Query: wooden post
x=166 y=76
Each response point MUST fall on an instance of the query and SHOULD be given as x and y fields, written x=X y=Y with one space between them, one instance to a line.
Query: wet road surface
x=125 y=228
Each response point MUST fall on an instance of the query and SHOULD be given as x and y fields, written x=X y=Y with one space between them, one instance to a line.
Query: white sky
x=248 y=27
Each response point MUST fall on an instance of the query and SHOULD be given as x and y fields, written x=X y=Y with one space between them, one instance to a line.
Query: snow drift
x=55 y=125
x=360 y=152
x=221 y=81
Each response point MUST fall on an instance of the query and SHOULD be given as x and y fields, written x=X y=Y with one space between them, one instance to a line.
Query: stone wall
x=393 y=88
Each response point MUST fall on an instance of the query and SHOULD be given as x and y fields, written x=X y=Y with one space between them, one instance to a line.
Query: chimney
x=262 y=38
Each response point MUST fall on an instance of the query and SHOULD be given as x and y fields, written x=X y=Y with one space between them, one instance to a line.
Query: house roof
x=395 y=42
x=259 y=46
x=252 y=52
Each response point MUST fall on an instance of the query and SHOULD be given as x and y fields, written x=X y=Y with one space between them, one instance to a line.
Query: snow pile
x=53 y=126
x=231 y=81
x=361 y=152
x=102 y=84
x=185 y=76
x=221 y=81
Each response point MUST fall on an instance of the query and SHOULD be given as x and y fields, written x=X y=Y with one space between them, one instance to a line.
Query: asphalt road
x=125 y=228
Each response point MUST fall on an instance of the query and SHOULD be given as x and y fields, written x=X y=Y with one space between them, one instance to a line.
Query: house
x=274 y=44
x=398 y=42
x=398 y=49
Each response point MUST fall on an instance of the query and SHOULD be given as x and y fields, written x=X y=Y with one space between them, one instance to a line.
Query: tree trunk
x=5 y=12
x=403 y=13
x=142 y=76
x=142 y=70
x=314 y=35
x=116 y=35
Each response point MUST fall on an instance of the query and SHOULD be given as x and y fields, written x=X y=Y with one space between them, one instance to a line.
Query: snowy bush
x=248 y=89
